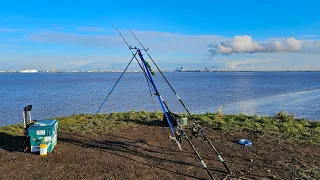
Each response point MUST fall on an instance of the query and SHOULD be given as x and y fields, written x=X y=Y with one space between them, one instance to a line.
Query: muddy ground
x=145 y=152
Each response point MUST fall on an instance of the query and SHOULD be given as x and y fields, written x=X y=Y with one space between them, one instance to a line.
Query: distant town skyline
x=233 y=35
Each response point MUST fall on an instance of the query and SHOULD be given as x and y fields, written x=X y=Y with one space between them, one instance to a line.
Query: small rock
x=272 y=177
x=251 y=160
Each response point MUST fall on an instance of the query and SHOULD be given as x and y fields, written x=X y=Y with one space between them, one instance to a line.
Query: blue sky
x=240 y=35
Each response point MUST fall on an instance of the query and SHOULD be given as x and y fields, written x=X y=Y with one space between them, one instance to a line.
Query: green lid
x=44 y=122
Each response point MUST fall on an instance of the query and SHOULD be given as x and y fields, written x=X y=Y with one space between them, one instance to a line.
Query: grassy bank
x=282 y=124
x=284 y=148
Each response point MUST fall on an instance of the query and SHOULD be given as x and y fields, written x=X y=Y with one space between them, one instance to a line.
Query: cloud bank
x=245 y=44
x=87 y=48
x=163 y=42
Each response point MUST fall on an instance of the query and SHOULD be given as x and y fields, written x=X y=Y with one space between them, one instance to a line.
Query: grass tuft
x=282 y=124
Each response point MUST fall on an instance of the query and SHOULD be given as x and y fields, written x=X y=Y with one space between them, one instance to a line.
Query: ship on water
x=28 y=71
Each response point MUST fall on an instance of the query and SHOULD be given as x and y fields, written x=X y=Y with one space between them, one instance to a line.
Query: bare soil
x=145 y=152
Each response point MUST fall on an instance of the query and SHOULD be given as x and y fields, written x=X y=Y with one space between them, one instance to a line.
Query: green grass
x=282 y=124
x=102 y=123
x=14 y=130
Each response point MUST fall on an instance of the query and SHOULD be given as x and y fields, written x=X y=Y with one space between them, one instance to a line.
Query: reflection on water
x=302 y=104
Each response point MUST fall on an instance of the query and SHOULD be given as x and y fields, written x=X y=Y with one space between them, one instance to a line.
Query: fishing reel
x=195 y=131
x=179 y=136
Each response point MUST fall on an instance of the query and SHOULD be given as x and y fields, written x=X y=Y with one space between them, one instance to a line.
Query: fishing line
x=110 y=91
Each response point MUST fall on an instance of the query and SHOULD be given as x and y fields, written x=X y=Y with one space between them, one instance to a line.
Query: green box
x=43 y=131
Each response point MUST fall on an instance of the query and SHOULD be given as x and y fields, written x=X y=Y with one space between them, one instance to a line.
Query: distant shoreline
x=222 y=71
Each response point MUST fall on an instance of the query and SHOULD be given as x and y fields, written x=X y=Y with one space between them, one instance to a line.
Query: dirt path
x=145 y=152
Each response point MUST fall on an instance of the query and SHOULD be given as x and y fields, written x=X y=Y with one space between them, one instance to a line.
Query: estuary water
x=61 y=94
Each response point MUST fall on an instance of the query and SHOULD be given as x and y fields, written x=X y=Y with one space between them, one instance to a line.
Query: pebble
x=272 y=177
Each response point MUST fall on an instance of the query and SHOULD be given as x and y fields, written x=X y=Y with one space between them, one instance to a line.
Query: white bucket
x=185 y=121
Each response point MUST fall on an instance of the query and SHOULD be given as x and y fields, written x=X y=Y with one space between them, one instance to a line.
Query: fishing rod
x=162 y=103
x=183 y=134
x=157 y=94
x=194 y=120
x=116 y=84
x=149 y=86
x=134 y=56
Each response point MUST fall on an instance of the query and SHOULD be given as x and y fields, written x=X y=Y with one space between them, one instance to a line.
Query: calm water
x=60 y=94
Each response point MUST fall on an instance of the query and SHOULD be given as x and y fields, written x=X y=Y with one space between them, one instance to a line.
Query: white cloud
x=61 y=62
x=239 y=44
x=173 y=42
x=8 y=30
x=224 y=50
x=247 y=64
x=311 y=46
x=161 y=42
x=245 y=44
x=75 y=39
x=274 y=61
x=90 y=29
x=289 y=44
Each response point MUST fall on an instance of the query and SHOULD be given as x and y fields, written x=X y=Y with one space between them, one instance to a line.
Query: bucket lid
x=44 y=122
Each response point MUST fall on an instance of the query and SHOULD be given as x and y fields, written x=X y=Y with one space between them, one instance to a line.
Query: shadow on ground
x=11 y=143
x=141 y=152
